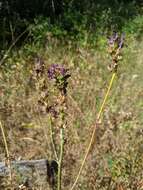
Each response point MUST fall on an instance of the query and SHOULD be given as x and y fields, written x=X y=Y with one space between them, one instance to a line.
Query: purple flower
x=121 y=41
x=116 y=40
x=113 y=39
x=56 y=70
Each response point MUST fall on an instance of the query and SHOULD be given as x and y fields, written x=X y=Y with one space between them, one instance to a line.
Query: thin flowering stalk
x=115 y=44
x=94 y=130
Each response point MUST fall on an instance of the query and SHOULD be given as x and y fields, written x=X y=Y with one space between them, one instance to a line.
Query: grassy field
x=115 y=161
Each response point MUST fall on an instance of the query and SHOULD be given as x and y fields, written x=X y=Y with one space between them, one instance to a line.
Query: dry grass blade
x=7 y=151
x=12 y=45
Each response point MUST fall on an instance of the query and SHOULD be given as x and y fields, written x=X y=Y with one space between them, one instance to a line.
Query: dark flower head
x=116 y=40
x=56 y=70
x=115 y=44
x=112 y=39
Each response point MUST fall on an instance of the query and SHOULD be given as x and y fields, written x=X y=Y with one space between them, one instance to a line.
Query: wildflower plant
x=115 y=44
x=60 y=75
x=56 y=107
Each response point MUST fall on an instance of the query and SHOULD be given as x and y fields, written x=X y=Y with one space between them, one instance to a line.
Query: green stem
x=60 y=158
x=52 y=140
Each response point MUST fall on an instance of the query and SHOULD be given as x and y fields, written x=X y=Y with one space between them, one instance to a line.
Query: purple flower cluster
x=116 y=40
x=60 y=74
x=56 y=70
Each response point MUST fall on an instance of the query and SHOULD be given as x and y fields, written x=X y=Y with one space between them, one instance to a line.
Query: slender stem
x=52 y=140
x=106 y=96
x=94 y=130
x=7 y=151
x=60 y=158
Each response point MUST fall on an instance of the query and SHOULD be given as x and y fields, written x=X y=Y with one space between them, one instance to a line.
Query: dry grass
x=116 y=160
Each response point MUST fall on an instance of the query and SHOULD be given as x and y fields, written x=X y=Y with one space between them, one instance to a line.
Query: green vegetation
x=73 y=34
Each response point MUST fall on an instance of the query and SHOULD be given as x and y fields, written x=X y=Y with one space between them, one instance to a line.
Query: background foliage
x=65 y=18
